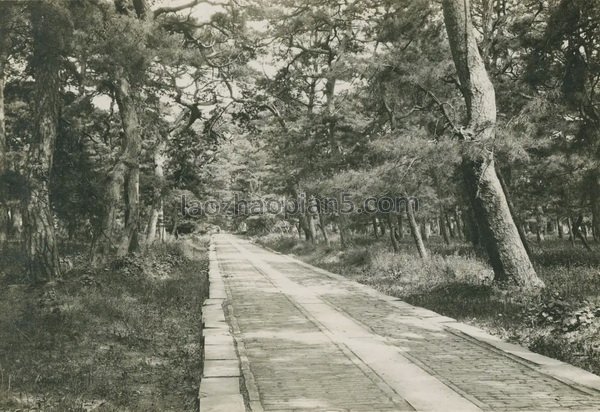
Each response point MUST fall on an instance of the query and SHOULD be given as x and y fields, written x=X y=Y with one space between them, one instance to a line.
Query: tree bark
x=133 y=147
x=460 y=230
x=426 y=230
x=595 y=204
x=570 y=227
x=40 y=240
x=159 y=163
x=540 y=220
x=125 y=173
x=3 y=149
x=511 y=208
x=6 y=19
x=450 y=225
x=560 y=229
x=392 y=234
x=400 y=227
x=504 y=247
x=414 y=229
x=130 y=238
x=375 y=227
x=443 y=228
x=323 y=229
x=312 y=227
x=577 y=232
x=381 y=225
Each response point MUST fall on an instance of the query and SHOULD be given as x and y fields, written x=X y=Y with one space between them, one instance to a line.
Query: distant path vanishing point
x=308 y=340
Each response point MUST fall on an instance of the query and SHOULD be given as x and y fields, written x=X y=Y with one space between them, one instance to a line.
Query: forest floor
x=562 y=323
x=123 y=337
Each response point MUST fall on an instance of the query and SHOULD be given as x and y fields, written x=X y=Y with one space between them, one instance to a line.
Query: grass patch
x=563 y=322
x=123 y=337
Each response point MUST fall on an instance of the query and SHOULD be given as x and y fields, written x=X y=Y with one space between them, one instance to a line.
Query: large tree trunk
x=125 y=173
x=414 y=230
x=503 y=244
x=38 y=223
x=106 y=237
x=130 y=238
x=133 y=147
x=511 y=208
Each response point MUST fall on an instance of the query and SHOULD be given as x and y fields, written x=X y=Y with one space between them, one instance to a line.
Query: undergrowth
x=123 y=337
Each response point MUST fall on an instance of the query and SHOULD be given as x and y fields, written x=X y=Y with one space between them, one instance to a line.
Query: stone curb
x=564 y=372
x=220 y=382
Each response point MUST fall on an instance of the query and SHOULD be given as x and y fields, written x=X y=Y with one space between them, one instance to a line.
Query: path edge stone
x=562 y=371
x=220 y=381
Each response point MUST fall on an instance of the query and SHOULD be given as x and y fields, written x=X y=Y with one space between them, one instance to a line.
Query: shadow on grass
x=464 y=302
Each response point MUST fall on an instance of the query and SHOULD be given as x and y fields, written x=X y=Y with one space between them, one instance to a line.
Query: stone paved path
x=312 y=341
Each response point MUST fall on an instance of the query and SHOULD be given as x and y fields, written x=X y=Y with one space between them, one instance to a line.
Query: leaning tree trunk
x=501 y=239
x=518 y=222
x=38 y=223
x=414 y=230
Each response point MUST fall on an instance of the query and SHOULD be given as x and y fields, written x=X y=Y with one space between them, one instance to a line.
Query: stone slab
x=225 y=403
x=220 y=352
x=221 y=369
x=219 y=387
